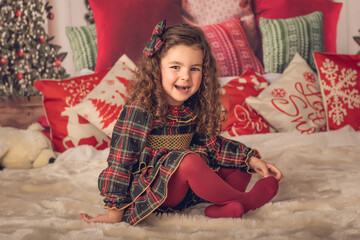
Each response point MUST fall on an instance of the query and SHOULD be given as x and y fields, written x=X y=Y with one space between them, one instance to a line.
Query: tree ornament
x=18 y=13
x=50 y=16
x=42 y=40
x=3 y=60
x=19 y=76
x=56 y=62
x=20 y=53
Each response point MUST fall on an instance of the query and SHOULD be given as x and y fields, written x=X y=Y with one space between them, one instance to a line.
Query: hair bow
x=155 y=42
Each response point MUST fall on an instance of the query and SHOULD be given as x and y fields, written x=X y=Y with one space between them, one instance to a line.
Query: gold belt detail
x=172 y=142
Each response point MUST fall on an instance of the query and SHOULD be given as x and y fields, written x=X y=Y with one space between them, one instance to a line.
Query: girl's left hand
x=112 y=216
x=265 y=169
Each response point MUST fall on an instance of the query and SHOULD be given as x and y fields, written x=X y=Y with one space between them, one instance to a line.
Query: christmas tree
x=89 y=17
x=26 y=52
x=357 y=40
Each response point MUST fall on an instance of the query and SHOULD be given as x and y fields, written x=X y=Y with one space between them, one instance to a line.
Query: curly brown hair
x=147 y=87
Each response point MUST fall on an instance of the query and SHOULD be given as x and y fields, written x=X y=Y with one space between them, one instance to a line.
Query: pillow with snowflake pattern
x=292 y=102
x=339 y=77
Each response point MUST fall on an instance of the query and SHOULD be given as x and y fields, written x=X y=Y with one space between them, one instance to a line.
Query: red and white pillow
x=104 y=103
x=340 y=86
x=231 y=48
x=293 y=102
x=242 y=119
x=206 y=12
x=67 y=128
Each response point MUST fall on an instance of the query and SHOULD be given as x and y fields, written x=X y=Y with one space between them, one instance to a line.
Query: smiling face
x=181 y=73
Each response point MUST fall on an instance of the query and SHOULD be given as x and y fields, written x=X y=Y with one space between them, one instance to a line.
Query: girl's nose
x=185 y=75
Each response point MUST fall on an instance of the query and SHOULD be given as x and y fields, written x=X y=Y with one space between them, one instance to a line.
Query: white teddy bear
x=23 y=149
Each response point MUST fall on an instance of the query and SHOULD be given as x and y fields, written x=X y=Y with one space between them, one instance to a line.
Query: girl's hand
x=112 y=216
x=265 y=169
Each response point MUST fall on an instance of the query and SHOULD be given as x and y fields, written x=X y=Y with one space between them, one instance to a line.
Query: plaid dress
x=137 y=174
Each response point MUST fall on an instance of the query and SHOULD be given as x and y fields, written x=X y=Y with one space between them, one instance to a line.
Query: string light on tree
x=26 y=51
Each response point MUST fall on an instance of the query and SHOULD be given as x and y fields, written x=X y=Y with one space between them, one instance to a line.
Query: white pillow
x=103 y=104
x=271 y=77
x=293 y=102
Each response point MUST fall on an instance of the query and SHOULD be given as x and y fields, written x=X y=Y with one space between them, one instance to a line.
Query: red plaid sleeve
x=128 y=140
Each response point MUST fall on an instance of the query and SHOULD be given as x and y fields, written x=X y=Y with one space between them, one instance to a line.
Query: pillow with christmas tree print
x=241 y=118
x=67 y=128
x=292 y=102
x=340 y=87
x=104 y=103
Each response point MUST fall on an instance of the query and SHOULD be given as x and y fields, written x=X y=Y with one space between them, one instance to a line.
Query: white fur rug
x=319 y=198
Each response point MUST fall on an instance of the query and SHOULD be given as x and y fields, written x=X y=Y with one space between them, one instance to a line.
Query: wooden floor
x=20 y=113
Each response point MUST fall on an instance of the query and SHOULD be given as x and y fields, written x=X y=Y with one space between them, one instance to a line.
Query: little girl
x=166 y=153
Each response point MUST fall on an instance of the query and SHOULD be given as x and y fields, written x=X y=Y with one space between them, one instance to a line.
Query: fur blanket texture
x=318 y=199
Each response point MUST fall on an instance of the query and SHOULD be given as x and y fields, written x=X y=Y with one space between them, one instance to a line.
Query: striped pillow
x=282 y=38
x=83 y=44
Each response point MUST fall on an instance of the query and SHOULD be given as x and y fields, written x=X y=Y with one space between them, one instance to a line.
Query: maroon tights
x=225 y=188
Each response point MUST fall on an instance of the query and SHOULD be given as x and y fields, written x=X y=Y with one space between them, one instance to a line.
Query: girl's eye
x=175 y=67
x=195 y=69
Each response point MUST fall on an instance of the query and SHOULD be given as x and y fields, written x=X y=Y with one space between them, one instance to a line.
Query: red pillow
x=125 y=27
x=231 y=48
x=205 y=12
x=242 y=119
x=275 y=9
x=340 y=88
x=67 y=128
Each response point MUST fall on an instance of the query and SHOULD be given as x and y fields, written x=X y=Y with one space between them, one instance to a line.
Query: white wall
x=67 y=13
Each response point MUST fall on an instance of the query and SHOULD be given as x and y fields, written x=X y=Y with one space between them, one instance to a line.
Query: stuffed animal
x=25 y=148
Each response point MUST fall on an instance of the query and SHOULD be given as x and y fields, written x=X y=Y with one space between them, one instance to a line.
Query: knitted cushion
x=282 y=38
x=83 y=45
x=231 y=48
x=276 y=9
x=206 y=12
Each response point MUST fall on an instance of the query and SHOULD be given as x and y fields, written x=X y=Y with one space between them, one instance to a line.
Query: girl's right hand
x=112 y=216
x=265 y=169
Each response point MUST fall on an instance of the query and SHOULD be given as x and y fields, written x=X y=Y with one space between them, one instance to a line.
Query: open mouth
x=182 y=88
